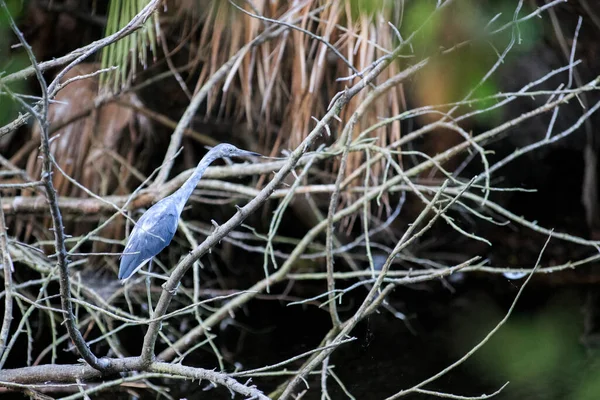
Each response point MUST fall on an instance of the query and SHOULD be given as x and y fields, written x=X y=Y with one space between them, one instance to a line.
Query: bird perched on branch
x=155 y=229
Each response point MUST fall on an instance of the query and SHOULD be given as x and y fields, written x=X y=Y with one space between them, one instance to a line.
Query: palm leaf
x=130 y=51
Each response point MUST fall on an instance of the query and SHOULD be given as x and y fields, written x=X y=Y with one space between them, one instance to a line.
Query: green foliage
x=435 y=30
x=130 y=51
x=589 y=389
x=422 y=20
x=530 y=349
x=540 y=352
x=528 y=33
x=10 y=61
x=370 y=7
x=15 y=7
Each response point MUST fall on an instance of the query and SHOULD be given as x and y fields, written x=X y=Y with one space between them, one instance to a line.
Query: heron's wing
x=152 y=233
x=159 y=222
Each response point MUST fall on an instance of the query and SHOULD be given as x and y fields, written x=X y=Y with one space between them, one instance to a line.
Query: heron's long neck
x=185 y=191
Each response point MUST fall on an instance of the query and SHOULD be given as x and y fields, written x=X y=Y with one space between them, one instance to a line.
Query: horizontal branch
x=145 y=198
x=77 y=373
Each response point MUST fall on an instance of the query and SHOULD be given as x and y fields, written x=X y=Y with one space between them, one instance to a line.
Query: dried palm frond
x=95 y=147
x=279 y=86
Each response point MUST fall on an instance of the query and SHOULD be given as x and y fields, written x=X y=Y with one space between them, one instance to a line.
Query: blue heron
x=155 y=229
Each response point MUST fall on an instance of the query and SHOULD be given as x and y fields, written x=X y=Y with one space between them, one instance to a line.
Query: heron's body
x=156 y=228
x=149 y=237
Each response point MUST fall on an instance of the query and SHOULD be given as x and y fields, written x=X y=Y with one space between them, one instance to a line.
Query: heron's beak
x=249 y=154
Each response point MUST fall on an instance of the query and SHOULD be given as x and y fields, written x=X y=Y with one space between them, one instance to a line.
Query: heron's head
x=229 y=150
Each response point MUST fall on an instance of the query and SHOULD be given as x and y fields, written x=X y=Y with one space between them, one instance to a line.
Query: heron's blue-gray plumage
x=152 y=233
x=156 y=228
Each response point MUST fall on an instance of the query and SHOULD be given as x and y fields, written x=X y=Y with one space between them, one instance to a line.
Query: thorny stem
x=8 y=268
x=59 y=235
